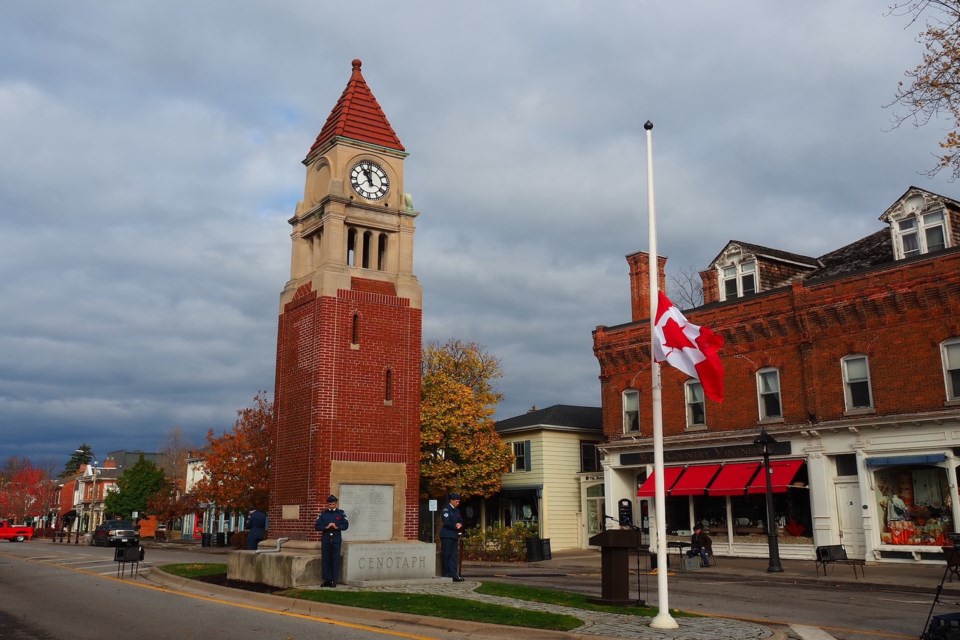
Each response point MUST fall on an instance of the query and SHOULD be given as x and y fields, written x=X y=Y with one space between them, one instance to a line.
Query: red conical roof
x=357 y=115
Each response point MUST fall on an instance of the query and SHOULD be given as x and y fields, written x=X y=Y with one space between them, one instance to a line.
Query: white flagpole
x=663 y=619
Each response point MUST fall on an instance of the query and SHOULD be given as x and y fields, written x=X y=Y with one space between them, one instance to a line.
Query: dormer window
x=738 y=280
x=920 y=234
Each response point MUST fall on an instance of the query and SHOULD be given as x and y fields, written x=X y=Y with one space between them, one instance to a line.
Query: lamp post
x=765 y=444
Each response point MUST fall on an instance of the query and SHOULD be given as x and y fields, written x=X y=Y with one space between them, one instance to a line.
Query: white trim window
x=856 y=382
x=950 y=350
x=696 y=407
x=631 y=410
x=521 y=456
x=919 y=234
x=768 y=394
x=738 y=280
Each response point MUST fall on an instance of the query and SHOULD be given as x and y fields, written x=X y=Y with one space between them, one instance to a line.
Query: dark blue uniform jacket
x=336 y=516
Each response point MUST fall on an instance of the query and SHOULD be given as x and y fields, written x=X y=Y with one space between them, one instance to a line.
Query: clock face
x=369 y=180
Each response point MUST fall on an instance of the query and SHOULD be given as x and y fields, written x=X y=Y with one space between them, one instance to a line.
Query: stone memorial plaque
x=386 y=561
x=369 y=508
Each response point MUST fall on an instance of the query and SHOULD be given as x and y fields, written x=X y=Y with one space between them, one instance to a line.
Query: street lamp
x=765 y=444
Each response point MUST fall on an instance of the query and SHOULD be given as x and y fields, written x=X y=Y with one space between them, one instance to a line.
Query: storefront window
x=595 y=509
x=711 y=514
x=791 y=513
x=914 y=504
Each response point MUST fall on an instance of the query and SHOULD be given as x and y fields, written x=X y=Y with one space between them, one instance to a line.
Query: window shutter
x=526 y=455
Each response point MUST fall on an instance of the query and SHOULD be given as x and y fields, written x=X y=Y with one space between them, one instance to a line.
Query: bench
x=836 y=554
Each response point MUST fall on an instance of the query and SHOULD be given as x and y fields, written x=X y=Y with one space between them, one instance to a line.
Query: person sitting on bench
x=700 y=545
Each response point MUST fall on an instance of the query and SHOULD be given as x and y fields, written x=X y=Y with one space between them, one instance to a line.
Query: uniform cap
x=331 y=498
x=454 y=496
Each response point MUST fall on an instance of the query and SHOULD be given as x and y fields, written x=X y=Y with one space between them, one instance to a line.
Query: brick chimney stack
x=640 y=283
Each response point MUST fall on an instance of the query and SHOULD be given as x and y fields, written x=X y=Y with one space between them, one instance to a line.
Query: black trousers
x=330 y=551
x=448 y=557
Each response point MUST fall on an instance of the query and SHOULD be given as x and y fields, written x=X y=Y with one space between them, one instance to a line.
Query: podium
x=615 y=545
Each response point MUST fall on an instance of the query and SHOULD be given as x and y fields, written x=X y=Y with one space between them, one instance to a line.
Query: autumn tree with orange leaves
x=237 y=464
x=932 y=91
x=460 y=449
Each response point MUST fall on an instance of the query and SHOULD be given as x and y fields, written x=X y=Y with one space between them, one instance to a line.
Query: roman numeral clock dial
x=369 y=180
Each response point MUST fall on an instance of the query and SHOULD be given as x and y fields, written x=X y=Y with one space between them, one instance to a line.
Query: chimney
x=640 y=283
x=109 y=463
x=711 y=285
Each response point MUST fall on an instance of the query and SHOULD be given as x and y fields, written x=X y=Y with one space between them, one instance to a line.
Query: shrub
x=497 y=544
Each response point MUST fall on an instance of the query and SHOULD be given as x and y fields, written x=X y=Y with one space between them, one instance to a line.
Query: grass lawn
x=440 y=607
x=195 y=569
x=448 y=606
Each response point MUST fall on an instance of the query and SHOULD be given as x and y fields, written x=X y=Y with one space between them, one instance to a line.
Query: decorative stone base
x=298 y=564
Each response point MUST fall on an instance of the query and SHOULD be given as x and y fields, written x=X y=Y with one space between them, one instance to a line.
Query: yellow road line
x=194 y=596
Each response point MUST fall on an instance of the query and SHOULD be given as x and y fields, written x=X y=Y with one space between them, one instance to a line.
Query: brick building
x=349 y=339
x=850 y=360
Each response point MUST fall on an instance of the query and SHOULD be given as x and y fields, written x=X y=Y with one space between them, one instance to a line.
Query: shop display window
x=915 y=506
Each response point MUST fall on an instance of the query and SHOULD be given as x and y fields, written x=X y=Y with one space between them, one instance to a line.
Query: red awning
x=694 y=480
x=733 y=479
x=782 y=473
x=670 y=475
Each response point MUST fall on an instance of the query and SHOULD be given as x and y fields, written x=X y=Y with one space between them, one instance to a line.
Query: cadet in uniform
x=330 y=523
x=257 y=523
x=450 y=532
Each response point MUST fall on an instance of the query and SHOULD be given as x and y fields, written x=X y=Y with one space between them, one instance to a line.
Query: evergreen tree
x=135 y=488
x=83 y=455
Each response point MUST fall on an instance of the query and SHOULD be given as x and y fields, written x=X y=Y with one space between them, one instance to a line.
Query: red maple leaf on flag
x=674 y=337
x=688 y=347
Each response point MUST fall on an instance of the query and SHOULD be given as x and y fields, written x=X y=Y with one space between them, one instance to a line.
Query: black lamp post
x=764 y=444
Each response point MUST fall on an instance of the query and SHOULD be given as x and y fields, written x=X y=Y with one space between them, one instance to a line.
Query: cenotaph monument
x=347 y=399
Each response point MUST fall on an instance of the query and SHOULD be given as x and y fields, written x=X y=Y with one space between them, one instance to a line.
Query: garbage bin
x=221 y=539
x=534 y=550
x=205 y=539
x=545 y=549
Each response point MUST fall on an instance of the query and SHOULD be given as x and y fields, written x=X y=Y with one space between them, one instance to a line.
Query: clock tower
x=347 y=397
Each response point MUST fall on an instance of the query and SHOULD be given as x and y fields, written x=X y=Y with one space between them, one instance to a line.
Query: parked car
x=14 y=533
x=116 y=533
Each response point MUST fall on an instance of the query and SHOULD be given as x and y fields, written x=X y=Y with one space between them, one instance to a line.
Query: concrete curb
x=403 y=622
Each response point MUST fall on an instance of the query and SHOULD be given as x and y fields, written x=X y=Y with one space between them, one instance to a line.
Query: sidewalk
x=923 y=578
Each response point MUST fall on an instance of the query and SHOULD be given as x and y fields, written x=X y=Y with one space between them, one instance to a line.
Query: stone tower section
x=349 y=334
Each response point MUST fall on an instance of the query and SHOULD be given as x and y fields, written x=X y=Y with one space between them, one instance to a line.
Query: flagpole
x=663 y=619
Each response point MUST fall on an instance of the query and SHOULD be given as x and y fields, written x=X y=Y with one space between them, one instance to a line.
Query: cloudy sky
x=150 y=158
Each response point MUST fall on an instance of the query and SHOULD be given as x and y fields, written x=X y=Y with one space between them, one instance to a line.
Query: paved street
x=738 y=598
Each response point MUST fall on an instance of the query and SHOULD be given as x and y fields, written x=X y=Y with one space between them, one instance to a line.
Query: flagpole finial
x=648 y=125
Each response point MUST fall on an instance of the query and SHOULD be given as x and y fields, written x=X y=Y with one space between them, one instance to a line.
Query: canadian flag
x=687 y=347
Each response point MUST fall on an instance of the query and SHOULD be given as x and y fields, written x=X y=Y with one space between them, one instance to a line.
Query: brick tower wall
x=331 y=404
